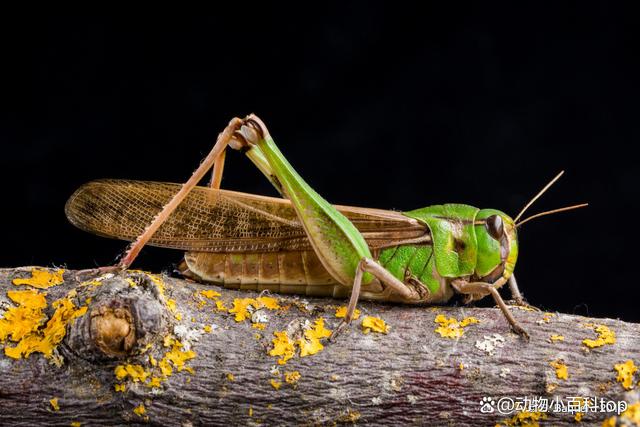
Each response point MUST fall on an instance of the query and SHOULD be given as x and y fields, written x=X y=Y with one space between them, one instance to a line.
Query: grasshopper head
x=497 y=246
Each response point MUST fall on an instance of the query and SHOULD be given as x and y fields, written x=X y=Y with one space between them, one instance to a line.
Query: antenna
x=538 y=215
x=537 y=196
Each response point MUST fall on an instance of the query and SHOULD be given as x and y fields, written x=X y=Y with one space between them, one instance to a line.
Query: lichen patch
x=341 y=312
x=374 y=324
x=41 y=278
x=605 y=336
x=451 y=327
x=490 y=342
x=625 y=372
x=529 y=419
x=556 y=338
x=562 y=371
x=308 y=344
x=24 y=324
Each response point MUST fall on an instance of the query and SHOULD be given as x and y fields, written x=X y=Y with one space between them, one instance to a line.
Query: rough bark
x=411 y=375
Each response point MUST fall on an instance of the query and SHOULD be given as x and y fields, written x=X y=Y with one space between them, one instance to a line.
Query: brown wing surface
x=216 y=220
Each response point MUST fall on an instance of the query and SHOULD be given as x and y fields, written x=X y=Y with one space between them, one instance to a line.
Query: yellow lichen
x=556 y=338
x=268 y=302
x=250 y=411
x=282 y=346
x=275 y=384
x=177 y=357
x=260 y=326
x=241 y=306
x=139 y=410
x=154 y=382
x=374 y=324
x=605 y=336
x=75 y=424
x=311 y=344
x=528 y=419
x=210 y=294
x=220 y=306
x=171 y=304
x=120 y=387
x=450 y=327
x=24 y=322
x=546 y=318
x=625 y=373
x=173 y=358
x=341 y=312
x=20 y=321
x=41 y=278
x=231 y=377
x=578 y=417
x=561 y=369
x=54 y=404
x=165 y=367
x=292 y=377
x=631 y=415
x=207 y=328
x=135 y=372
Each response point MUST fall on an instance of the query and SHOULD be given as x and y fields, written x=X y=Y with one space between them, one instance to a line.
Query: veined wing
x=217 y=220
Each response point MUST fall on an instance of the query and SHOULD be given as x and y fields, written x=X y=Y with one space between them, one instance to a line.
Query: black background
x=379 y=105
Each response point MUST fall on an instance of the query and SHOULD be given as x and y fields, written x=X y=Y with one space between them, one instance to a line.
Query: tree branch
x=412 y=375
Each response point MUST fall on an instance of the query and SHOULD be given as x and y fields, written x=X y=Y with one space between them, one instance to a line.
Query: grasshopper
x=301 y=243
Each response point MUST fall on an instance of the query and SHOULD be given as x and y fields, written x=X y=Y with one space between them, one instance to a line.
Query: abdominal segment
x=295 y=272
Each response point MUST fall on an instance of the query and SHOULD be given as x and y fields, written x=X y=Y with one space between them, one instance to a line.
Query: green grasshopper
x=302 y=244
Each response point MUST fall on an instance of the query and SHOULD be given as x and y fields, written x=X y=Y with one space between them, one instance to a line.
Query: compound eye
x=495 y=227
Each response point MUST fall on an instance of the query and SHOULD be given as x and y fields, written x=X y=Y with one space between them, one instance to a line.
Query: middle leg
x=382 y=274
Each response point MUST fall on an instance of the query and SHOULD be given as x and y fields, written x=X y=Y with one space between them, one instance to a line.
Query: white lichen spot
x=275 y=371
x=259 y=317
x=504 y=372
x=412 y=399
x=490 y=343
x=187 y=336
x=376 y=400
x=338 y=395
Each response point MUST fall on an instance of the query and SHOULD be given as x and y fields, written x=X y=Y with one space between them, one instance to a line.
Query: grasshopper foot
x=518 y=330
x=520 y=302
x=339 y=330
x=82 y=275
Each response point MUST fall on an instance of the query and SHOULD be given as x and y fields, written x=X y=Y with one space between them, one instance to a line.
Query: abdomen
x=302 y=273
x=295 y=272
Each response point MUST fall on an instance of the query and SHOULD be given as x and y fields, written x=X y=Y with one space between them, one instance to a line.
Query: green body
x=460 y=248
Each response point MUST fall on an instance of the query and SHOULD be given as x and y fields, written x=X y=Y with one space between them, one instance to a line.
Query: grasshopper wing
x=217 y=220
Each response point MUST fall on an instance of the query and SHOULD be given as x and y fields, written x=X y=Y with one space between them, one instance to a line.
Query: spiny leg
x=216 y=172
x=382 y=274
x=464 y=287
x=224 y=138
x=208 y=162
x=516 y=295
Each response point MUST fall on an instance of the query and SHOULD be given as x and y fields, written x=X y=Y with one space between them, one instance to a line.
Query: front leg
x=481 y=288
